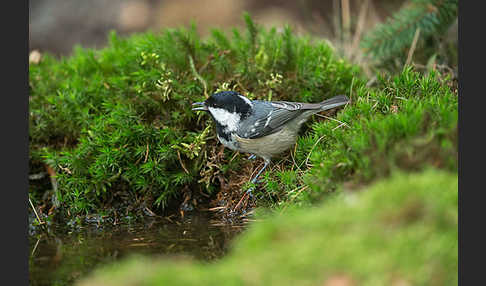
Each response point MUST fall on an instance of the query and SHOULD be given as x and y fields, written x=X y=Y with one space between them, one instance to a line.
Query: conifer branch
x=394 y=37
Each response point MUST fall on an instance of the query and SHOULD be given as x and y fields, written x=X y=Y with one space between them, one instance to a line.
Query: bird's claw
x=249 y=192
x=251 y=157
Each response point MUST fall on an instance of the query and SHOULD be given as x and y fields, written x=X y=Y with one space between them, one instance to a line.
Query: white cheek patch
x=228 y=119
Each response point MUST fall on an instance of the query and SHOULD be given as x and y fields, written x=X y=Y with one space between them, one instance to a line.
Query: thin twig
x=234 y=156
x=241 y=200
x=412 y=48
x=146 y=154
x=198 y=76
x=330 y=118
x=292 y=155
x=180 y=161
x=38 y=218
x=342 y=124
x=312 y=149
x=216 y=208
x=35 y=247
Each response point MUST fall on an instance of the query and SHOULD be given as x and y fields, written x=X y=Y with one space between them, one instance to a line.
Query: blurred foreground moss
x=399 y=231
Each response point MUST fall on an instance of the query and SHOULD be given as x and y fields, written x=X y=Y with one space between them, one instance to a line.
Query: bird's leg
x=254 y=180
x=251 y=157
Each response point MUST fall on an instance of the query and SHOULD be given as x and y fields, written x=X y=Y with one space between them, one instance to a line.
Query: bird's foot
x=249 y=192
x=252 y=157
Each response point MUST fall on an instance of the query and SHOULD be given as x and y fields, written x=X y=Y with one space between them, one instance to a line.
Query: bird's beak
x=200 y=106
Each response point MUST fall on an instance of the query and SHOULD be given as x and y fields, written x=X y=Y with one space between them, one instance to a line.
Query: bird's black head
x=227 y=102
x=231 y=101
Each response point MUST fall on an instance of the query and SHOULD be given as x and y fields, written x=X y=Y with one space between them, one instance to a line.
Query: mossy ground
x=398 y=231
x=115 y=131
x=115 y=126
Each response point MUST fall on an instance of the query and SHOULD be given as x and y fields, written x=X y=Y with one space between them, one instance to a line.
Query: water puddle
x=60 y=257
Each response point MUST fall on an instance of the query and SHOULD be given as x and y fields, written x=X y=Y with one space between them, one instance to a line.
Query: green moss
x=408 y=122
x=117 y=127
x=117 y=123
x=400 y=230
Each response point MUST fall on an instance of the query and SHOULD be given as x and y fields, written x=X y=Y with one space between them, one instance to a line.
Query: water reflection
x=61 y=257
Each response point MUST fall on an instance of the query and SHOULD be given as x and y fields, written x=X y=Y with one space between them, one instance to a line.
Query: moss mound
x=115 y=129
x=400 y=231
x=116 y=124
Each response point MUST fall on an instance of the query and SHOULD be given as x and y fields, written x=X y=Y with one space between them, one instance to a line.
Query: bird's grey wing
x=295 y=105
x=333 y=102
x=270 y=117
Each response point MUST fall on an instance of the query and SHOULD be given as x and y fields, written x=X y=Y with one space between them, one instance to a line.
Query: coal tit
x=261 y=128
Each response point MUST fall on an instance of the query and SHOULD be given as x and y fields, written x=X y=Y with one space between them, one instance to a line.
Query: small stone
x=34 y=57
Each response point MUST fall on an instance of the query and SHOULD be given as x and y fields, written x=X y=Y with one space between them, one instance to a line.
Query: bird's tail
x=333 y=102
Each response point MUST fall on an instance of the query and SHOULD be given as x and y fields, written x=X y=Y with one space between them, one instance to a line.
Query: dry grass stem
x=180 y=161
x=147 y=152
x=35 y=247
x=312 y=149
x=333 y=119
x=342 y=124
x=33 y=208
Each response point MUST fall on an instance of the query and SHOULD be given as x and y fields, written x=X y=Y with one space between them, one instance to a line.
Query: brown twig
x=146 y=154
x=180 y=161
x=241 y=200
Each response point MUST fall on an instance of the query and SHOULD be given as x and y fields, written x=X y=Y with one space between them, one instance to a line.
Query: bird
x=261 y=128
